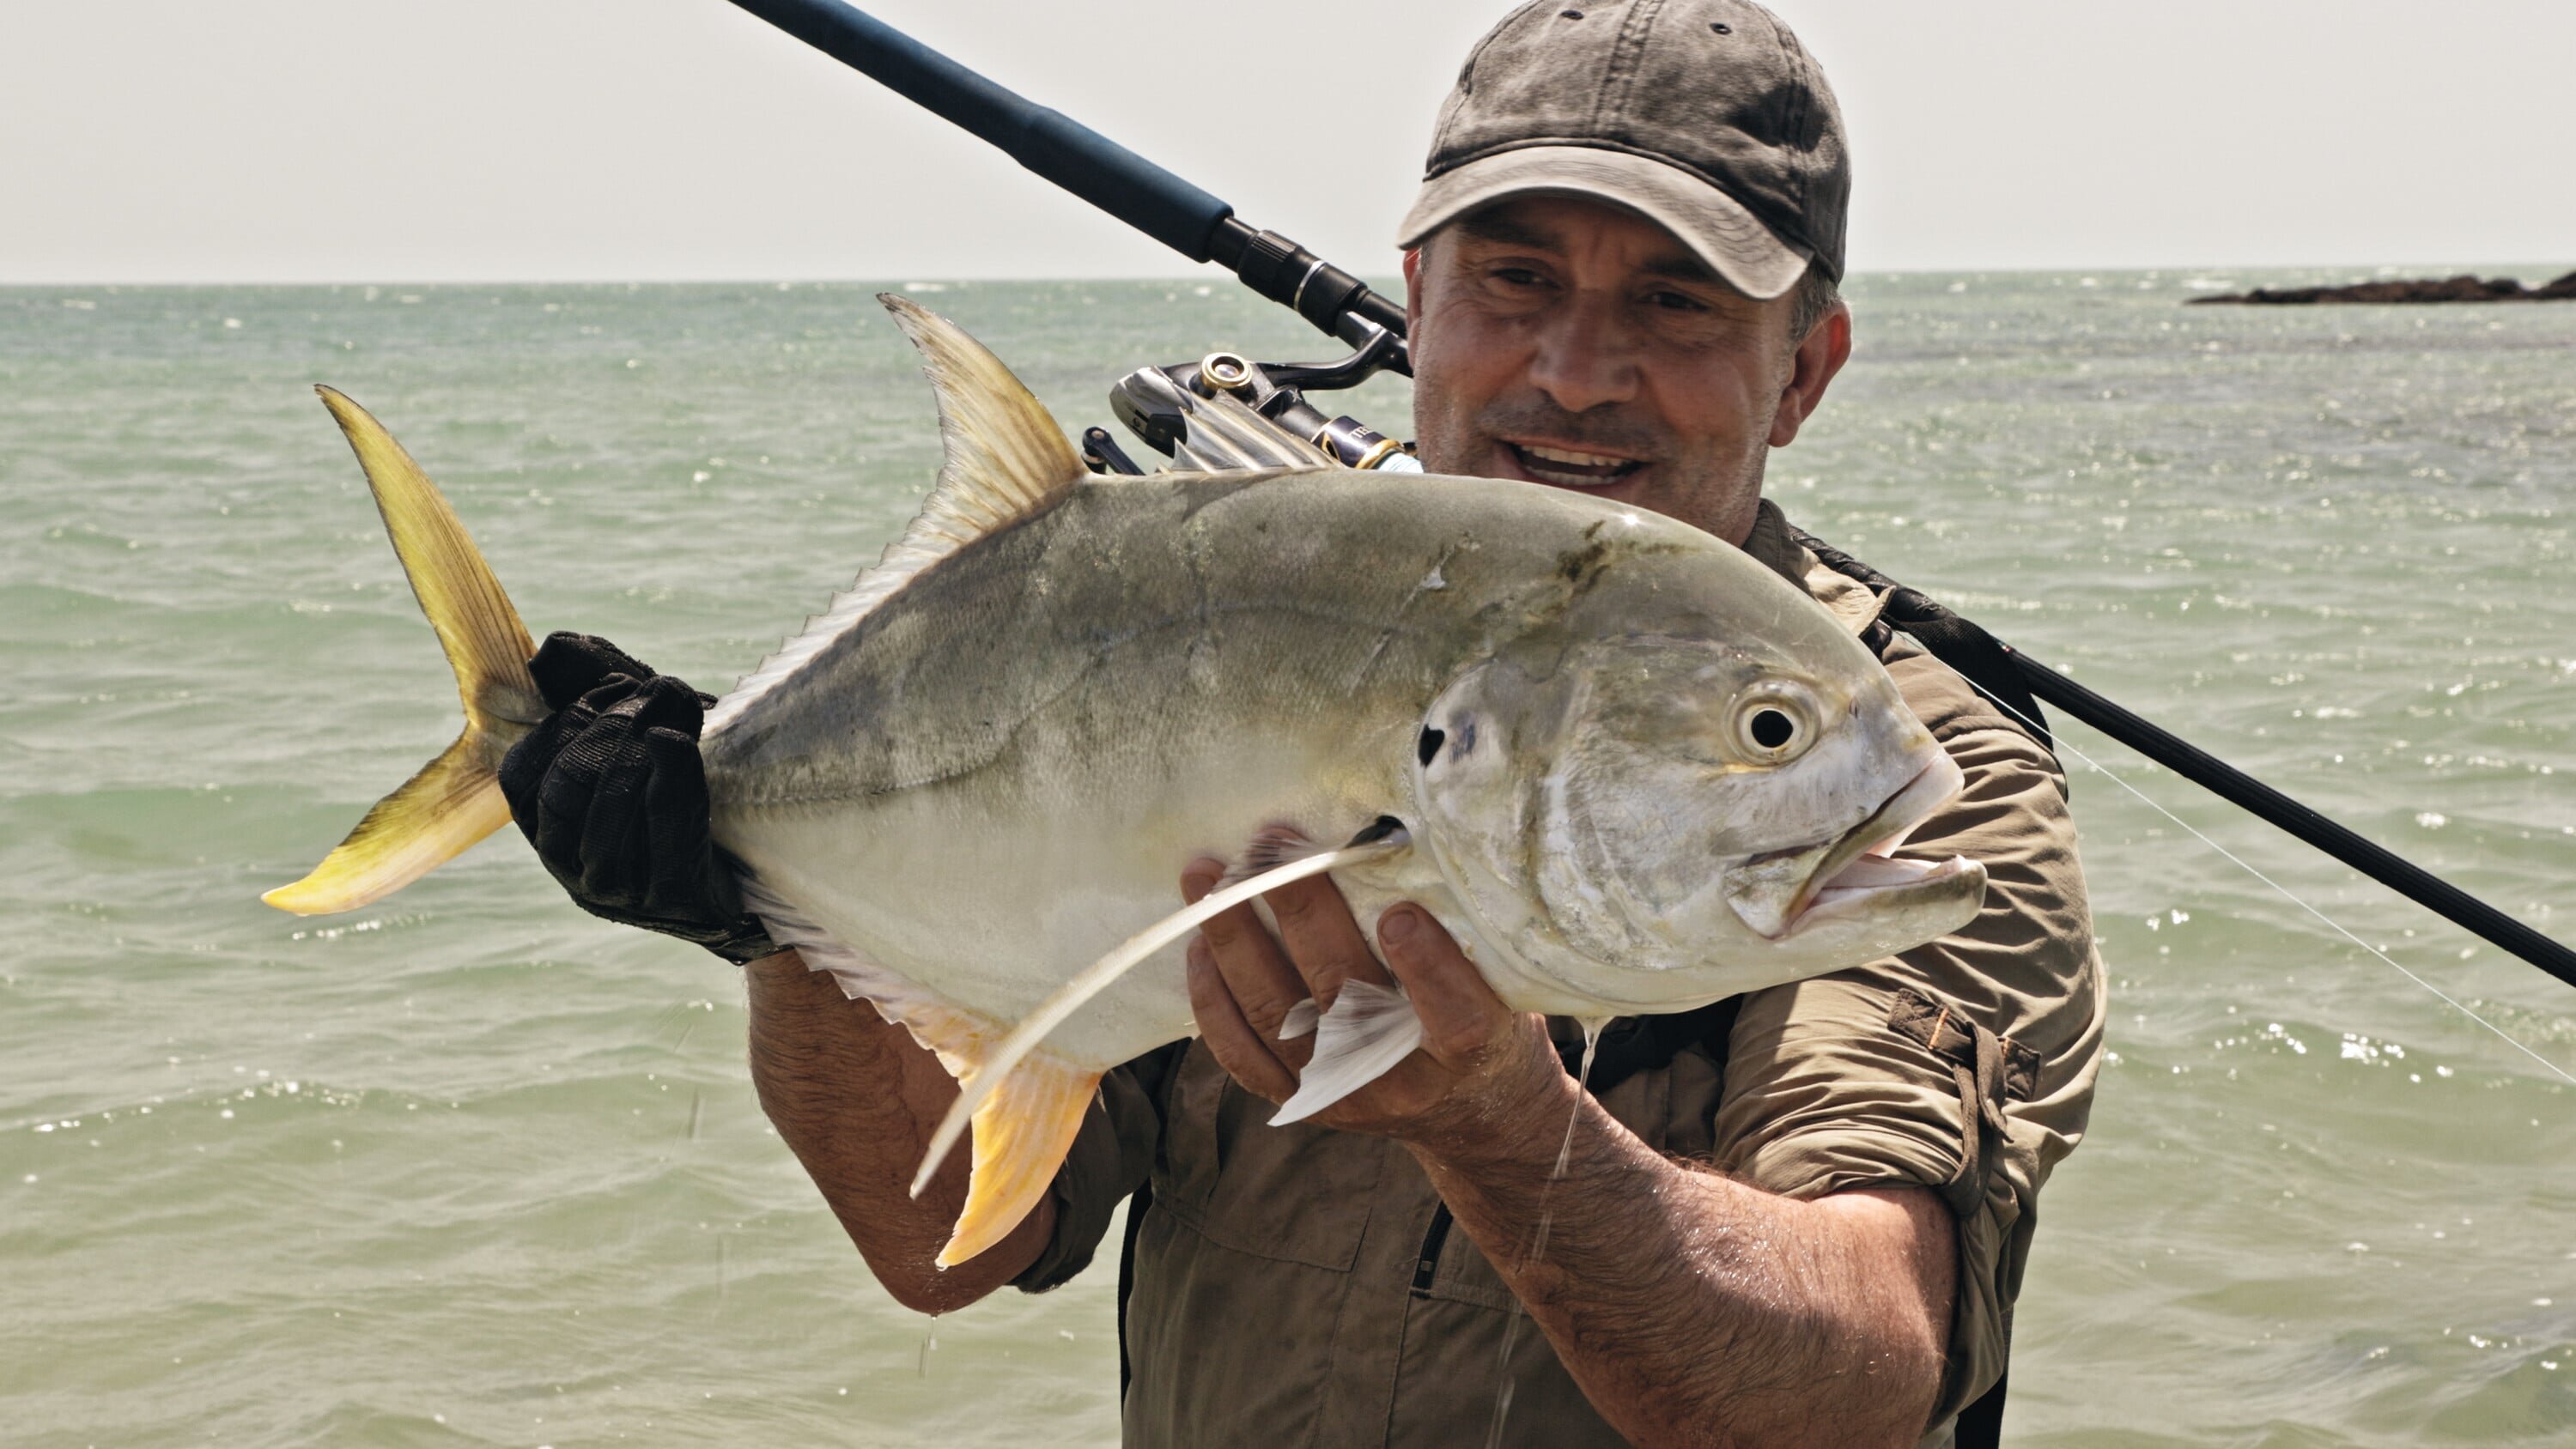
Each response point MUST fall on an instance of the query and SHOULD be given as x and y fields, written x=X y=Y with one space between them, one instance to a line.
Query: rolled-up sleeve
x=1111 y=1156
x=1965 y=1066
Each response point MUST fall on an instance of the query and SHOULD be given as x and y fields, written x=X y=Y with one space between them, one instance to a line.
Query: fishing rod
x=2249 y=794
x=1109 y=176
x=1156 y=403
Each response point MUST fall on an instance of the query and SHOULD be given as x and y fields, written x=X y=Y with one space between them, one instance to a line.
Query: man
x=1797 y=1218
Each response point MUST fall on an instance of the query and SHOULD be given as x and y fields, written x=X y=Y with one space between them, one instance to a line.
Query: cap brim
x=1715 y=226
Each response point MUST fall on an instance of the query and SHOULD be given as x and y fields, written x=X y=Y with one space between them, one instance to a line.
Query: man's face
x=1576 y=344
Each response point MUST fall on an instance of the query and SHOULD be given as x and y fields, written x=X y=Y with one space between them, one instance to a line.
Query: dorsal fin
x=1007 y=461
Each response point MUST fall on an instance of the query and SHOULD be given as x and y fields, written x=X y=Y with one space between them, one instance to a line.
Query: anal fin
x=1021 y=1131
x=1021 y=1135
x=995 y=1070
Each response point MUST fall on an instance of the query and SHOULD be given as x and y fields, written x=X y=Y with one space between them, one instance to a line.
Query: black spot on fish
x=1427 y=748
x=1579 y=565
x=1385 y=827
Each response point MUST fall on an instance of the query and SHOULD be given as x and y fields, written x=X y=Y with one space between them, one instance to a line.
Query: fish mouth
x=1787 y=895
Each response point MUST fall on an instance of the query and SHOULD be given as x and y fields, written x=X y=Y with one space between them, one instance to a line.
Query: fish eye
x=1771 y=725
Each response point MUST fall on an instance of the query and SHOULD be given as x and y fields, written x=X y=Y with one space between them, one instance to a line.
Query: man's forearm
x=1696 y=1310
x=856 y=1100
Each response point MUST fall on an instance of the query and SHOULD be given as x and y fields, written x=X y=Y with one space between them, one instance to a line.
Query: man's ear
x=1826 y=348
x=1412 y=290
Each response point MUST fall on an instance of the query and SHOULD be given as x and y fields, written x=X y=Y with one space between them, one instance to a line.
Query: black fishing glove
x=611 y=792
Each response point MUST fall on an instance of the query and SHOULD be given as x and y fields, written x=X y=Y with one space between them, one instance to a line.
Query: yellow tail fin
x=456 y=799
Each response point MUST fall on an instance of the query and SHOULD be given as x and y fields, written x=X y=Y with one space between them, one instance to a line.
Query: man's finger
x=1256 y=974
x=679 y=868
x=1238 y=1048
x=523 y=771
x=1459 y=1011
x=1322 y=939
x=1225 y=932
x=613 y=831
x=562 y=808
x=568 y=666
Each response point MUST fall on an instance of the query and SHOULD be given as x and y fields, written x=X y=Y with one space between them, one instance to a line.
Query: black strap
x=1136 y=1207
x=1983 y=661
x=1629 y=1045
x=1981 y=1424
x=1153 y=1072
x=1978 y=656
x=1634 y=1044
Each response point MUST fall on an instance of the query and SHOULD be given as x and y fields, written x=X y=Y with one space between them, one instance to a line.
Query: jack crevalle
x=1628 y=767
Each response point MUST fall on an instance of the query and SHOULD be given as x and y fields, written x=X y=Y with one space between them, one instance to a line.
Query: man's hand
x=1690 y=1308
x=1483 y=1070
x=611 y=791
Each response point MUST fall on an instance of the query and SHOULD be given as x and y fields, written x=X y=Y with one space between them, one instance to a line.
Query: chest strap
x=1977 y=656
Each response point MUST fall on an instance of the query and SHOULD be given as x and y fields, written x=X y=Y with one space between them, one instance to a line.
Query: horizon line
x=2424 y=269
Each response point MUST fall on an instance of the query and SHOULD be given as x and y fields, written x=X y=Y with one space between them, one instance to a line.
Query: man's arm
x=611 y=791
x=1691 y=1309
x=856 y=1100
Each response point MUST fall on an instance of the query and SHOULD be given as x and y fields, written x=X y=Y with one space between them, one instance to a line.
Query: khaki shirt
x=1298 y=1286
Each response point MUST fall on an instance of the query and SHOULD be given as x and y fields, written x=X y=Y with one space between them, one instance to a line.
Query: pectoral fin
x=1369 y=1030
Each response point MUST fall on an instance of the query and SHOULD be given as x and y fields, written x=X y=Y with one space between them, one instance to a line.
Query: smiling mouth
x=1571 y=467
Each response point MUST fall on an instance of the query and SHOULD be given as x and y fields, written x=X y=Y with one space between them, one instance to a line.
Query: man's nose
x=1584 y=357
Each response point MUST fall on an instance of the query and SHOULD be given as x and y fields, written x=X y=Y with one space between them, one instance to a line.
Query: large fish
x=1628 y=767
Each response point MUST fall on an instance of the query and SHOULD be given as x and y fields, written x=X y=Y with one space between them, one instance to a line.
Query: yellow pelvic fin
x=456 y=799
x=1021 y=1136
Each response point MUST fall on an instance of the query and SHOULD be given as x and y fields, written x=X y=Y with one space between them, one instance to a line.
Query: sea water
x=471 y=1168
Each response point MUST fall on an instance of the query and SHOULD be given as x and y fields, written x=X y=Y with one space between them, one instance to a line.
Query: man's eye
x=1678 y=302
x=1518 y=277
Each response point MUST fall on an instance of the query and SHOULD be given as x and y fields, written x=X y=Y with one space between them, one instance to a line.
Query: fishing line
x=2286 y=893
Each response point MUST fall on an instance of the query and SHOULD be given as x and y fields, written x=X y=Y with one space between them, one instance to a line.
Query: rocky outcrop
x=2462 y=288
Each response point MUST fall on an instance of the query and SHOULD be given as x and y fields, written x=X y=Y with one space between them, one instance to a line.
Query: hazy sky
x=296 y=140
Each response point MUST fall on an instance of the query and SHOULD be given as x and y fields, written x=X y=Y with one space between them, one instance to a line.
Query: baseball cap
x=1704 y=116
